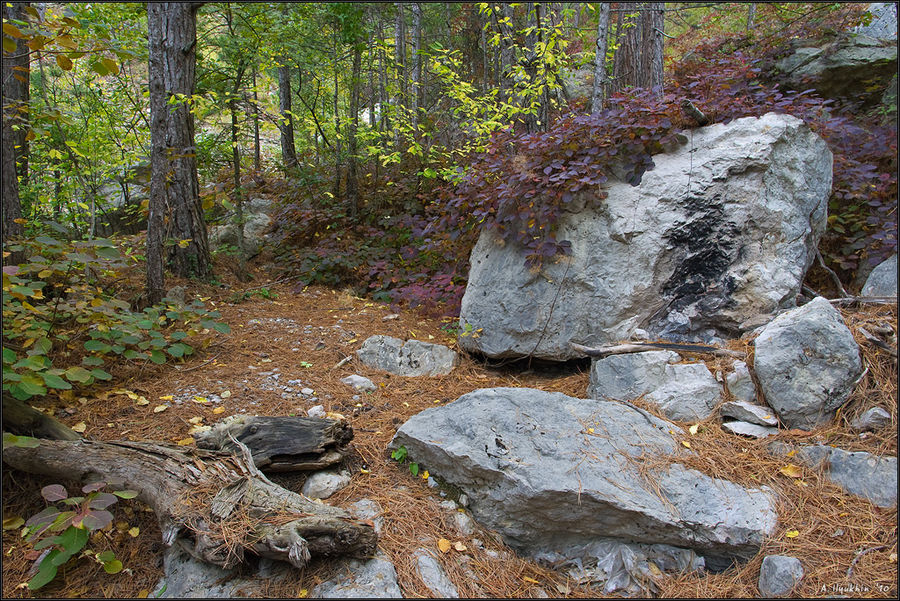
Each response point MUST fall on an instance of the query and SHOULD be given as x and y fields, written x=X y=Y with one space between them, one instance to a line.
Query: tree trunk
x=15 y=99
x=22 y=419
x=627 y=61
x=236 y=167
x=156 y=282
x=654 y=52
x=751 y=15
x=172 y=35
x=352 y=176
x=257 y=151
x=220 y=501
x=286 y=124
x=601 y=82
x=416 y=96
x=400 y=59
x=337 y=128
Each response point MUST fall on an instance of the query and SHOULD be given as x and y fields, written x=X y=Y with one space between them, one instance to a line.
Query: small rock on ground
x=359 y=382
x=748 y=429
x=872 y=419
x=322 y=485
x=747 y=412
x=778 y=575
x=434 y=576
x=375 y=578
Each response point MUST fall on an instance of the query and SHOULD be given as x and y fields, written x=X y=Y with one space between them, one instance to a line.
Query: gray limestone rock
x=740 y=383
x=884 y=21
x=367 y=509
x=256 y=222
x=359 y=382
x=872 y=419
x=807 y=363
x=551 y=472
x=322 y=485
x=859 y=65
x=407 y=358
x=375 y=578
x=748 y=412
x=628 y=376
x=748 y=429
x=689 y=393
x=859 y=473
x=434 y=576
x=778 y=575
x=189 y=578
x=683 y=392
x=721 y=230
x=883 y=279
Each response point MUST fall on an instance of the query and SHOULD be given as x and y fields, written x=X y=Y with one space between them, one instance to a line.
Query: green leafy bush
x=62 y=322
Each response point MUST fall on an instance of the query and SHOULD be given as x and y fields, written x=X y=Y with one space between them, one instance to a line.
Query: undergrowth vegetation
x=412 y=245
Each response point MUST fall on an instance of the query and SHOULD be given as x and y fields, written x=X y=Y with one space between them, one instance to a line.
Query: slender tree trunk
x=257 y=158
x=337 y=128
x=505 y=21
x=286 y=123
x=15 y=73
x=416 y=96
x=238 y=196
x=751 y=15
x=400 y=59
x=352 y=181
x=627 y=62
x=372 y=86
x=654 y=51
x=601 y=82
x=172 y=35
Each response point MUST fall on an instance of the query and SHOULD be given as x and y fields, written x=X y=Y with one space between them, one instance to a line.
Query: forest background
x=389 y=134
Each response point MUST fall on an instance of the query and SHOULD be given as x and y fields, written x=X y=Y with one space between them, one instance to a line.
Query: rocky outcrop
x=721 y=231
x=551 y=473
x=407 y=358
x=779 y=575
x=883 y=279
x=807 y=363
x=256 y=222
x=375 y=578
x=858 y=66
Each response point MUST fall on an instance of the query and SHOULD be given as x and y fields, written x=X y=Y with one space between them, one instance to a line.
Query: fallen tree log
x=216 y=502
x=22 y=419
x=282 y=444
x=640 y=347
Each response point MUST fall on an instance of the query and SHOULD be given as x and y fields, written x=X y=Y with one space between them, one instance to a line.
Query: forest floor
x=846 y=545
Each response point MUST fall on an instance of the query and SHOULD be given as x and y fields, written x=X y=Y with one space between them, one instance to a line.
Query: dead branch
x=640 y=347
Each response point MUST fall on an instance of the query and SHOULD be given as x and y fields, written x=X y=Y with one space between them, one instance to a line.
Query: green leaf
x=109 y=252
x=46 y=572
x=31 y=386
x=106 y=556
x=92 y=360
x=55 y=382
x=112 y=567
x=179 y=349
x=99 y=68
x=110 y=65
x=78 y=374
x=64 y=62
x=97 y=346
x=157 y=357
x=25 y=442
x=101 y=375
x=414 y=468
x=222 y=328
x=125 y=494
x=9 y=355
x=72 y=540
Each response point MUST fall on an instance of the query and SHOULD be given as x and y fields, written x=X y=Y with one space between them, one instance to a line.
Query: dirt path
x=280 y=359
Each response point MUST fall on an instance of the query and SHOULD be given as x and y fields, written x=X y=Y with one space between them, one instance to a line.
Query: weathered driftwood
x=282 y=444
x=217 y=501
x=640 y=347
x=864 y=300
x=24 y=420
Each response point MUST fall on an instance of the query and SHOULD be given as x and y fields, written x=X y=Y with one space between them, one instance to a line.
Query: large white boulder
x=720 y=232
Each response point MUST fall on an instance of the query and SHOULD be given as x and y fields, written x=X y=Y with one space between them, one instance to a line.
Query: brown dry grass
x=837 y=531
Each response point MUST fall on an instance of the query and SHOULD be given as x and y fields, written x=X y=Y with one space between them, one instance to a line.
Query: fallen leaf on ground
x=791 y=470
x=218 y=410
x=459 y=546
x=685 y=444
x=160 y=408
x=444 y=545
x=166 y=397
x=80 y=427
x=792 y=533
x=531 y=580
x=195 y=420
x=12 y=522
x=225 y=394
x=184 y=442
x=142 y=401
x=693 y=429
x=201 y=399
x=133 y=532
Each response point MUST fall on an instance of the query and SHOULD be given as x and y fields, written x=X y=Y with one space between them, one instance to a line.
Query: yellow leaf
x=13 y=522
x=333 y=415
x=693 y=429
x=444 y=545
x=184 y=442
x=197 y=429
x=131 y=395
x=352 y=340
x=201 y=400
x=686 y=444
x=80 y=427
x=45 y=273
x=590 y=430
x=141 y=401
x=425 y=475
x=134 y=531
x=219 y=410
x=302 y=594
x=459 y=546
x=405 y=404
x=195 y=420
x=531 y=580
x=225 y=394
x=792 y=533
x=143 y=593
x=364 y=471
x=160 y=408
x=800 y=482
x=266 y=361
x=166 y=397
x=892 y=557
x=791 y=470
x=792 y=453
x=28 y=306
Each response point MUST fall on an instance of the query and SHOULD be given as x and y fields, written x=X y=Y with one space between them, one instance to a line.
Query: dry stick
x=639 y=347
x=834 y=277
x=872 y=300
x=859 y=554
